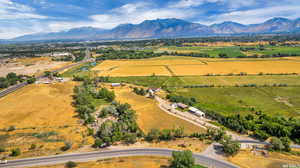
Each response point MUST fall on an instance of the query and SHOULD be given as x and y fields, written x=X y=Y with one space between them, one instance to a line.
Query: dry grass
x=36 y=110
x=30 y=66
x=126 y=162
x=149 y=115
x=250 y=67
x=145 y=67
x=246 y=159
x=182 y=66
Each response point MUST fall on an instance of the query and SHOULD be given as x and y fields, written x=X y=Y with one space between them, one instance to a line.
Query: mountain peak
x=278 y=20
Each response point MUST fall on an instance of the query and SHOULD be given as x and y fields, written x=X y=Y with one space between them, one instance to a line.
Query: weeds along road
x=91 y=156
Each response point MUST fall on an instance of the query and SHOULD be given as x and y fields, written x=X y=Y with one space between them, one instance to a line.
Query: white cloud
x=256 y=15
x=11 y=10
x=191 y=3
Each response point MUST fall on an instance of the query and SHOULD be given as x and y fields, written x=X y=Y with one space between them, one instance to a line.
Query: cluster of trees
x=12 y=79
x=259 y=48
x=280 y=144
x=140 y=91
x=260 y=125
x=164 y=135
x=181 y=99
x=125 y=54
x=202 y=55
x=85 y=95
x=122 y=128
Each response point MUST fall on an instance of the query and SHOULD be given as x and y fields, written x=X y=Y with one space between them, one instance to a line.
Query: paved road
x=89 y=156
x=20 y=85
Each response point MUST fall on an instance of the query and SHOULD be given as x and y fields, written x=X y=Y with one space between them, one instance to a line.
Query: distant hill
x=167 y=28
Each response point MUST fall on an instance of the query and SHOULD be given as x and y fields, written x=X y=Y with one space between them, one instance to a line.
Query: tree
x=286 y=142
x=182 y=159
x=2 y=149
x=70 y=164
x=15 y=152
x=276 y=144
x=230 y=147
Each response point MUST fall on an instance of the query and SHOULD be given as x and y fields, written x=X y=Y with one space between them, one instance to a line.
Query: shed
x=182 y=106
x=115 y=84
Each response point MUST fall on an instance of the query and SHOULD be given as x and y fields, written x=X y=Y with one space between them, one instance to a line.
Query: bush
x=152 y=135
x=11 y=128
x=98 y=143
x=32 y=147
x=70 y=164
x=15 y=152
x=2 y=149
x=67 y=146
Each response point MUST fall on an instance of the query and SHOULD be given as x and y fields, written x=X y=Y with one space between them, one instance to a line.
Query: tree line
x=12 y=79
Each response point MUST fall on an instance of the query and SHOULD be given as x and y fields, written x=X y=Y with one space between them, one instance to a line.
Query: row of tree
x=108 y=54
x=12 y=79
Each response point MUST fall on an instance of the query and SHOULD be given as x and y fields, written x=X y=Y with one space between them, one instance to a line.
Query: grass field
x=195 y=66
x=283 y=101
x=246 y=159
x=149 y=115
x=126 y=162
x=224 y=81
x=42 y=115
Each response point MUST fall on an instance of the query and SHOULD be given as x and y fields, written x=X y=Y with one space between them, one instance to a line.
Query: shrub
x=70 y=164
x=182 y=159
x=2 y=149
x=67 y=146
x=32 y=147
x=15 y=152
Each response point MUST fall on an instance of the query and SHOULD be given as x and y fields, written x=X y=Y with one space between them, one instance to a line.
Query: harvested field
x=126 y=162
x=195 y=66
x=236 y=67
x=247 y=159
x=149 y=115
x=30 y=66
x=42 y=115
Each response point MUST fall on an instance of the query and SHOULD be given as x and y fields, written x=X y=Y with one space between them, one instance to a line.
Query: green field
x=275 y=101
x=232 y=52
x=270 y=50
x=181 y=81
x=228 y=99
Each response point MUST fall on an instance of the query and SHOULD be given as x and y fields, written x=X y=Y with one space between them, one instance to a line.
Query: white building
x=196 y=111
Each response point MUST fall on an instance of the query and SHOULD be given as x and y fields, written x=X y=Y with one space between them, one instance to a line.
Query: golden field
x=149 y=115
x=195 y=66
x=247 y=159
x=126 y=162
x=43 y=115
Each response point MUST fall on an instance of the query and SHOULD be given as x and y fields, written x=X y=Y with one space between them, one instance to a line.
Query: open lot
x=127 y=162
x=247 y=159
x=42 y=115
x=30 y=66
x=195 y=66
x=149 y=115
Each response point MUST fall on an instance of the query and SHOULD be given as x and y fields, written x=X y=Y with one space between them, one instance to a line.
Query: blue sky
x=19 y=17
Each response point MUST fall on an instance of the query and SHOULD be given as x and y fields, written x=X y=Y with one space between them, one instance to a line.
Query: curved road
x=89 y=156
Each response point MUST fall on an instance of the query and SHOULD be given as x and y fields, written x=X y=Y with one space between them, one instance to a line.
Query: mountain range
x=167 y=28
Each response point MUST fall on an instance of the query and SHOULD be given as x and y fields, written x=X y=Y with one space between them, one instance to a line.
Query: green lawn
x=270 y=50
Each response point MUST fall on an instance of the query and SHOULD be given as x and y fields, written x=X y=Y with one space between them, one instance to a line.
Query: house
x=115 y=84
x=196 y=111
x=152 y=91
x=174 y=105
x=182 y=106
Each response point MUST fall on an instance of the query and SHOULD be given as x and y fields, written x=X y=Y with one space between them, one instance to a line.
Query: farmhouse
x=196 y=111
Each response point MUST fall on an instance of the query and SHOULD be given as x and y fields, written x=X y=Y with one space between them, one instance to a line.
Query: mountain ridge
x=167 y=28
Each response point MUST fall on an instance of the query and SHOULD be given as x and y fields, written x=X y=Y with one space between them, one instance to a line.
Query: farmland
x=195 y=66
x=40 y=119
x=149 y=115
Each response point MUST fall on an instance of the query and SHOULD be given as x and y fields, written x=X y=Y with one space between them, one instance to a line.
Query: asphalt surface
x=89 y=156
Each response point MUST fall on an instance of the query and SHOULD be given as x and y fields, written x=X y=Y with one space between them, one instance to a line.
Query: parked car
x=3 y=161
